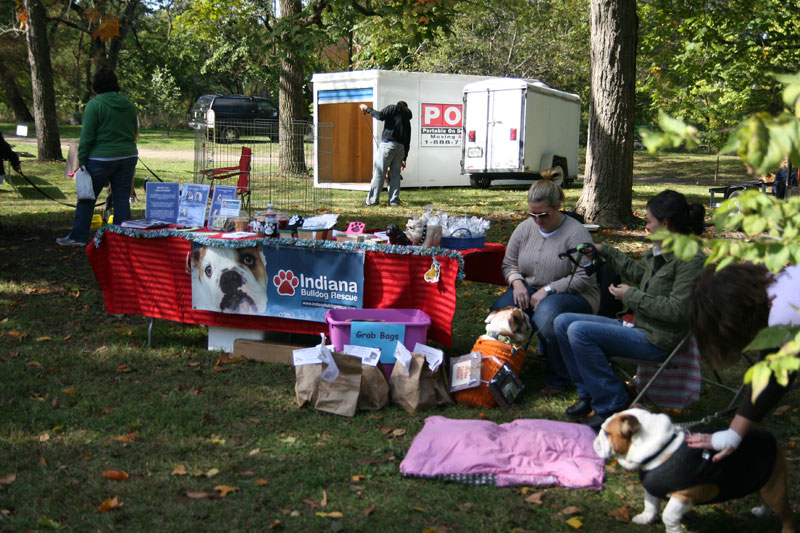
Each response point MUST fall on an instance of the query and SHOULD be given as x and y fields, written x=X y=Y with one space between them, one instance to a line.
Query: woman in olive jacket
x=658 y=295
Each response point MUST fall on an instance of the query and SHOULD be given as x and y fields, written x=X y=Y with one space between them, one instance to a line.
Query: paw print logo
x=286 y=282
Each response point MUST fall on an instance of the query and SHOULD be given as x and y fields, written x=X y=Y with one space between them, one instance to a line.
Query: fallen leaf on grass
x=570 y=510
x=109 y=504
x=332 y=514
x=465 y=507
x=358 y=477
x=124 y=368
x=200 y=495
x=48 y=523
x=224 y=490
x=574 y=523
x=69 y=390
x=622 y=514
x=8 y=479
x=179 y=470
x=275 y=524
x=41 y=339
x=536 y=498
x=289 y=440
x=37 y=364
x=311 y=503
x=212 y=472
x=324 y=502
x=385 y=430
x=420 y=509
x=398 y=432
x=218 y=368
x=369 y=510
x=193 y=363
x=44 y=437
x=43 y=462
x=130 y=437
x=781 y=409
x=116 y=475
x=254 y=451
x=260 y=482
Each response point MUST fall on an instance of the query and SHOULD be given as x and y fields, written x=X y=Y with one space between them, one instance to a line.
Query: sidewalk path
x=144 y=153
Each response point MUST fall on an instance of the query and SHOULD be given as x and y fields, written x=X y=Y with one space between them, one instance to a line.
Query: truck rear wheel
x=480 y=181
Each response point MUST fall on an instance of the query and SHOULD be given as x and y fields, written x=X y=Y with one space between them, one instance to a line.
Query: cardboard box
x=314 y=235
x=222 y=338
x=277 y=348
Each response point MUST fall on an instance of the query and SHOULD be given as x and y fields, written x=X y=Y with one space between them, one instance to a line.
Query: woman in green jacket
x=107 y=151
x=659 y=297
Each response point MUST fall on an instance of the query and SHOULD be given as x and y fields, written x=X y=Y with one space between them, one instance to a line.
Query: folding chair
x=242 y=170
x=689 y=372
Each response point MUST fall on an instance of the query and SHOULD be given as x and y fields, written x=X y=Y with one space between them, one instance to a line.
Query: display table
x=144 y=273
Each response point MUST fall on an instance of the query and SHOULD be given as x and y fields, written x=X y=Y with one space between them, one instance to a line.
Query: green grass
x=73 y=380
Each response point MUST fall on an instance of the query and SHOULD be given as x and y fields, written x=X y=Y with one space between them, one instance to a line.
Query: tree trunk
x=290 y=102
x=44 y=101
x=608 y=177
x=13 y=95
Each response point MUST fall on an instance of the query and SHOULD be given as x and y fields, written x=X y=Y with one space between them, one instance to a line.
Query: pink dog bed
x=523 y=452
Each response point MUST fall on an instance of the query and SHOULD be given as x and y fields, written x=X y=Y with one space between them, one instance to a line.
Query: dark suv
x=235 y=114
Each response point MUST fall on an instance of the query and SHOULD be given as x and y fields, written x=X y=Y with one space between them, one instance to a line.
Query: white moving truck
x=515 y=128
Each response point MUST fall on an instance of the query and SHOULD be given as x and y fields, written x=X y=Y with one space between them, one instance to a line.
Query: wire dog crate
x=252 y=147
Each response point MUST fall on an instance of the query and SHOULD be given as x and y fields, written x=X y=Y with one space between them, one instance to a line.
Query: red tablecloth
x=485 y=264
x=147 y=276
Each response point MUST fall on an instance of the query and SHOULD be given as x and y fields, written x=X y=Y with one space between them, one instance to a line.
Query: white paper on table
x=402 y=354
x=433 y=356
x=369 y=356
x=320 y=222
x=306 y=356
x=237 y=235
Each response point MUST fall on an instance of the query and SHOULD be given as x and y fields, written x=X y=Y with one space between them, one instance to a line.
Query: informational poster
x=440 y=125
x=221 y=192
x=304 y=283
x=192 y=206
x=287 y=281
x=161 y=201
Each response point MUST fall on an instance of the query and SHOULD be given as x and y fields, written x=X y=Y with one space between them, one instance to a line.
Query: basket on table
x=463 y=242
x=492 y=351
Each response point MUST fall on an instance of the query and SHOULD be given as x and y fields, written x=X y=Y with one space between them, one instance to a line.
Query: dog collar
x=502 y=338
x=672 y=438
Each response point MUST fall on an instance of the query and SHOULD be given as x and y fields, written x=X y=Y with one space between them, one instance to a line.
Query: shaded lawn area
x=81 y=393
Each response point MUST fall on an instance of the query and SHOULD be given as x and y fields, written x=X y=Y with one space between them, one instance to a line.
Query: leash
x=44 y=193
x=150 y=170
x=371 y=134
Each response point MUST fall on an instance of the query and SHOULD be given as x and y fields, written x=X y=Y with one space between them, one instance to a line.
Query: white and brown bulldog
x=229 y=280
x=669 y=468
x=510 y=324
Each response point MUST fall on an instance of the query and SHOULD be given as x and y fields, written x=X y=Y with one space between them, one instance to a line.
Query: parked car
x=234 y=114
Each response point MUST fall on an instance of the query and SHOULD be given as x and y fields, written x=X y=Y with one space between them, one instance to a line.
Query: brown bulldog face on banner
x=229 y=280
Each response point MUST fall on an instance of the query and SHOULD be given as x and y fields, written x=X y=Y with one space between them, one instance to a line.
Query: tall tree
x=44 y=101
x=291 y=153
x=608 y=177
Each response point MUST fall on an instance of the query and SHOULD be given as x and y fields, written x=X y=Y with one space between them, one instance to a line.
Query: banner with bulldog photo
x=286 y=282
x=303 y=283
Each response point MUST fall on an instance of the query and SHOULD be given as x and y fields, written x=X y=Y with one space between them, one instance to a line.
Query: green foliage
x=165 y=99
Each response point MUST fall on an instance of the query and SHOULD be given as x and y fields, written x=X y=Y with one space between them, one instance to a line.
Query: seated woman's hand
x=537 y=297
x=618 y=291
x=521 y=298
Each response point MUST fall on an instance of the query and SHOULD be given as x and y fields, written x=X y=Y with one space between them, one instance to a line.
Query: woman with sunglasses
x=542 y=282
x=658 y=295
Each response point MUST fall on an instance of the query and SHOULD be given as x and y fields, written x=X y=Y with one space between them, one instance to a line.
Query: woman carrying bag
x=107 y=151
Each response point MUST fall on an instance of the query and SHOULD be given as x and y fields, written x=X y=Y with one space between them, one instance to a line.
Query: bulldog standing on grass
x=669 y=468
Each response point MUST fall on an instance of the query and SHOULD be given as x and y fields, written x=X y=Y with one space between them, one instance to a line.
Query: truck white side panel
x=552 y=128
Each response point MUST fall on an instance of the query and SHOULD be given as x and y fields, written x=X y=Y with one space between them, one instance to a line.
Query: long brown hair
x=727 y=308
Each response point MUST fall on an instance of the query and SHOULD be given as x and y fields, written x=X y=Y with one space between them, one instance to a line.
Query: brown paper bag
x=340 y=396
x=307 y=383
x=374 y=388
x=420 y=388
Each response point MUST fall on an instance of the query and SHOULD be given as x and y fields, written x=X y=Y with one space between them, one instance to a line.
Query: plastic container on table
x=415 y=321
x=462 y=242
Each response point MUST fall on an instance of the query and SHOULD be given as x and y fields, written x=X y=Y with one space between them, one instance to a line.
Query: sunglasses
x=538 y=215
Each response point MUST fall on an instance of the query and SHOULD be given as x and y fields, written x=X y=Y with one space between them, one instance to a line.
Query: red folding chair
x=242 y=170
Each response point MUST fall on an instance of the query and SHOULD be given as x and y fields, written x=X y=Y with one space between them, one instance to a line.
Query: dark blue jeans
x=556 y=374
x=587 y=341
x=120 y=174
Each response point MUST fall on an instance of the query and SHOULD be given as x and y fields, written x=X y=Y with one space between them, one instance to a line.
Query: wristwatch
x=549 y=290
